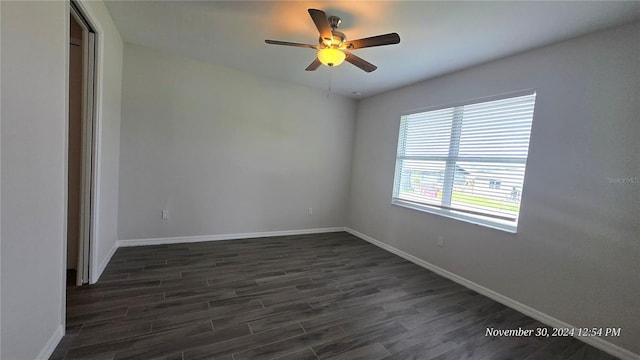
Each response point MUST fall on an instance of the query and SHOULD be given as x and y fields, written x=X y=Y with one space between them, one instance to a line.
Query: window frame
x=448 y=212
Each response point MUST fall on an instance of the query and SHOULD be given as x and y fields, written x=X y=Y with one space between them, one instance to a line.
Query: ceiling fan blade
x=314 y=65
x=286 y=43
x=319 y=18
x=360 y=62
x=386 y=39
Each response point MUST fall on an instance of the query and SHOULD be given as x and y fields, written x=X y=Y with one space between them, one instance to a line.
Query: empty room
x=332 y=180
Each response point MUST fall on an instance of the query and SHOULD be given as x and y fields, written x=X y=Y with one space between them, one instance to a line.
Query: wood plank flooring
x=322 y=296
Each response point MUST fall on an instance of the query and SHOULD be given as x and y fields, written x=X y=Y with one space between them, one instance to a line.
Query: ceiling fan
x=333 y=45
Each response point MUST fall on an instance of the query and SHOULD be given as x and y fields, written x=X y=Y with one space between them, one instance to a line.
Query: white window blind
x=466 y=161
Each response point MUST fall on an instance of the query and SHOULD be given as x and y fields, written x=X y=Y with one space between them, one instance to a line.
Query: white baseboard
x=597 y=342
x=54 y=340
x=200 y=238
x=95 y=275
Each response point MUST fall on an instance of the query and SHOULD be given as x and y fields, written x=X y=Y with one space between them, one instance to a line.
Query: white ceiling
x=436 y=37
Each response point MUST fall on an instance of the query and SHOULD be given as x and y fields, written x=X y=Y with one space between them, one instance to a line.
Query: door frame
x=87 y=153
x=89 y=261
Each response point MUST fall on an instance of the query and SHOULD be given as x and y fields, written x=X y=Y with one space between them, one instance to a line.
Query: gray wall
x=576 y=255
x=33 y=168
x=0 y=186
x=33 y=175
x=227 y=152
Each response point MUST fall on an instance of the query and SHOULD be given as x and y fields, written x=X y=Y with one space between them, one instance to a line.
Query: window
x=466 y=161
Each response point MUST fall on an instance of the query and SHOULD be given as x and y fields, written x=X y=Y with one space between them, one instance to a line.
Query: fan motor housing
x=338 y=38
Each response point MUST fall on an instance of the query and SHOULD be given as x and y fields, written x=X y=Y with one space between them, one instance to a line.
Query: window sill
x=447 y=213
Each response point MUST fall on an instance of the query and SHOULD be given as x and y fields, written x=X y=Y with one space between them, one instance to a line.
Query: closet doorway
x=81 y=146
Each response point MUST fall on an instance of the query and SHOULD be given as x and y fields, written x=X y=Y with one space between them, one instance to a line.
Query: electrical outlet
x=441 y=241
x=165 y=214
x=310 y=211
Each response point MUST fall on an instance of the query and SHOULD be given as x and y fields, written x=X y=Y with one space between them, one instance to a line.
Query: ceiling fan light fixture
x=331 y=56
x=333 y=48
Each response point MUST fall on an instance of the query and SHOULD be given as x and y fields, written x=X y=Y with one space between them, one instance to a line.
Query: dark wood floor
x=326 y=296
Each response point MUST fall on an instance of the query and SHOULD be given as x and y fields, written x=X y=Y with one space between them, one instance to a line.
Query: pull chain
x=330 y=79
